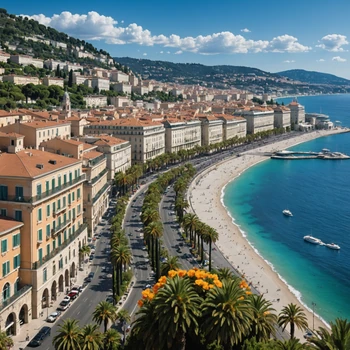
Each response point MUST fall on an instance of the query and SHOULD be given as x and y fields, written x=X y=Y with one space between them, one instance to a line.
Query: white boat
x=332 y=246
x=287 y=212
x=312 y=240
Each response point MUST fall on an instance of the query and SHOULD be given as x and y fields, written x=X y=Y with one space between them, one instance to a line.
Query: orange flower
x=162 y=280
x=266 y=313
x=199 y=282
x=140 y=303
x=248 y=292
x=191 y=273
x=241 y=298
x=145 y=293
x=150 y=296
x=181 y=273
x=211 y=286
x=205 y=286
x=218 y=283
x=172 y=273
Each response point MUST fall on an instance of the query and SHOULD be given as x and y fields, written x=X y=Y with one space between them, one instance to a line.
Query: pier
x=325 y=154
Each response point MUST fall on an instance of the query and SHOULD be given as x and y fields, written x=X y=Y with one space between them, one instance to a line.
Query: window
x=73 y=196
x=48 y=232
x=40 y=235
x=48 y=250
x=79 y=209
x=40 y=214
x=53 y=184
x=64 y=202
x=70 y=177
x=59 y=181
x=65 y=178
x=60 y=264
x=44 y=274
x=16 y=240
x=59 y=204
x=6 y=291
x=73 y=213
x=59 y=240
x=19 y=193
x=78 y=193
x=3 y=192
x=16 y=286
x=3 y=212
x=47 y=186
x=65 y=234
x=38 y=189
x=54 y=244
x=69 y=199
x=18 y=215
x=48 y=210
x=4 y=246
x=16 y=261
x=40 y=254
x=5 y=268
x=53 y=207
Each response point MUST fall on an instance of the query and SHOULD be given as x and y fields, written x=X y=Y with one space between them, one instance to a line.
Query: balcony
x=96 y=178
x=60 y=227
x=59 y=210
x=56 y=251
x=14 y=297
x=100 y=192
x=95 y=161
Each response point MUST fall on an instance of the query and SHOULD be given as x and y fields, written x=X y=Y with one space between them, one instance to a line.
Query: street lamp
x=313 y=315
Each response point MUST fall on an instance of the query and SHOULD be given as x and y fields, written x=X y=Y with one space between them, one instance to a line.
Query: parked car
x=64 y=305
x=40 y=336
x=110 y=299
x=66 y=298
x=53 y=317
x=73 y=295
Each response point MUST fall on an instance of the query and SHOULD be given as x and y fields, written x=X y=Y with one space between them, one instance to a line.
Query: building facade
x=233 y=126
x=282 y=117
x=211 y=130
x=258 y=119
x=297 y=114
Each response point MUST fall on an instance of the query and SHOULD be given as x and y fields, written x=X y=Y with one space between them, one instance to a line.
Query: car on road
x=178 y=250
x=73 y=295
x=110 y=299
x=64 y=305
x=53 y=316
x=147 y=286
x=66 y=298
x=308 y=335
x=40 y=336
x=104 y=269
x=91 y=257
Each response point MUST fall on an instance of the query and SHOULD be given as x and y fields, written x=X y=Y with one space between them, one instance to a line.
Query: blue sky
x=308 y=34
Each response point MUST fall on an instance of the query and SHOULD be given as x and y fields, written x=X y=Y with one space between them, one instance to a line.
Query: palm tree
x=290 y=344
x=124 y=317
x=111 y=339
x=68 y=337
x=180 y=205
x=84 y=251
x=91 y=338
x=154 y=231
x=293 y=315
x=338 y=338
x=211 y=236
x=171 y=264
x=191 y=223
x=6 y=342
x=104 y=313
x=149 y=215
x=264 y=318
x=227 y=314
x=120 y=256
x=177 y=308
x=225 y=273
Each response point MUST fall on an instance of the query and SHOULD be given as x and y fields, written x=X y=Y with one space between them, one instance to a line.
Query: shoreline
x=233 y=242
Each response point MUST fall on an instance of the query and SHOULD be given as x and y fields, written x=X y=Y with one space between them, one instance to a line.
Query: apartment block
x=16 y=298
x=36 y=132
x=140 y=90
x=100 y=83
x=20 y=79
x=117 y=152
x=233 y=126
x=4 y=57
x=27 y=61
x=123 y=87
x=95 y=100
x=147 y=138
x=53 y=81
x=258 y=119
x=282 y=117
x=211 y=129
x=45 y=192
x=52 y=64
x=119 y=77
x=297 y=113
x=181 y=134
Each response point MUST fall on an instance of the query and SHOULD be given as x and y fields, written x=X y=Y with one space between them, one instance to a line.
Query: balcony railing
x=60 y=227
x=94 y=161
x=14 y=297
x=99 y=193
x=56 y=251
x=44 y=195
x=96 y=178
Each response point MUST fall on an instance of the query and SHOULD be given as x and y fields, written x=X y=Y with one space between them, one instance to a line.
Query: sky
x=272 y=35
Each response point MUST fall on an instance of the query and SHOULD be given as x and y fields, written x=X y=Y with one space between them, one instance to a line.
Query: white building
x=119 y=77
x=122 y=87
x=100 y=83
x=258 y=119
x=95 y=100
x=27 y=60
x=282 y=117
x=234 y=126
x=212 y=129
x=297 y=113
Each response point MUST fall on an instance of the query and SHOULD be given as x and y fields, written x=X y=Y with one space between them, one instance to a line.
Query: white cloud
x=286 y=43
x=168 y=52
x=161 y=52
x=178 y=52
x=339 y=59
x=122 y=21
x=245 y=30
x=144 y=54
x=288 y=61
x=93 y=26
x=320 y=60
x=333 y=42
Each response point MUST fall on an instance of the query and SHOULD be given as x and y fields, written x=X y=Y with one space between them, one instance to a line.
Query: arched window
x=6 y=291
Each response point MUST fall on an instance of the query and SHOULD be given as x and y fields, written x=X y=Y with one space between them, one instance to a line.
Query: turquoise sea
x=318 y=194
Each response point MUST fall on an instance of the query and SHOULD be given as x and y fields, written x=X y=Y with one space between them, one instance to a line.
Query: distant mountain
x=188 y=73
x=312 y=77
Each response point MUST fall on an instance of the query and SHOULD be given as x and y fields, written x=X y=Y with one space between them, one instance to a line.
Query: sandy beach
x=205 y=198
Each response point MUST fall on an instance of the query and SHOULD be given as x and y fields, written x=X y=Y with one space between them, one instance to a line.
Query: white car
x=66 y=298
x=53 y=317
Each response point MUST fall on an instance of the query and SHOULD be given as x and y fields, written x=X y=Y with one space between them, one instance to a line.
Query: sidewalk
x=31 y=328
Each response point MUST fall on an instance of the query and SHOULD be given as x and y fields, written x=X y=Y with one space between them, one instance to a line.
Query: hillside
x=187 y=73
x=312 y=77
x=20 y=35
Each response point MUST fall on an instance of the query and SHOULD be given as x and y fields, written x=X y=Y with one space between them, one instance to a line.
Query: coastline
x=206 y=197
